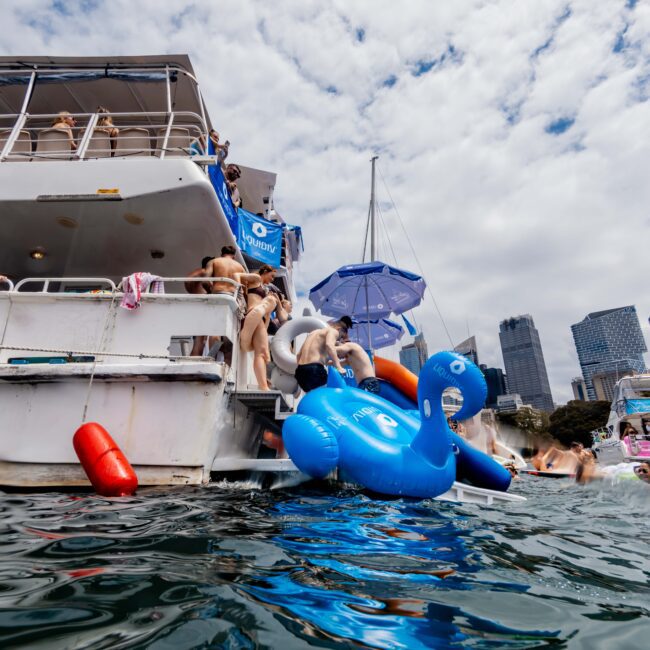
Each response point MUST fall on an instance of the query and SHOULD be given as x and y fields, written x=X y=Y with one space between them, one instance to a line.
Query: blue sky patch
x=423 y=66
x=360 y=34
x=562 y=124
x=389 y=82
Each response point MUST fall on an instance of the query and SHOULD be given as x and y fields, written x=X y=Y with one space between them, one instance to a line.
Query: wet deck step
x=270 y=403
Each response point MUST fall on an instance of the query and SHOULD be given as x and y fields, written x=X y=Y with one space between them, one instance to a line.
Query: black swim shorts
x=370 y=384
x=311 y=375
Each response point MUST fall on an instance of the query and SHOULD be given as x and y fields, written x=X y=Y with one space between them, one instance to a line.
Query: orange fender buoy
x=105 y=465
x=403 y=379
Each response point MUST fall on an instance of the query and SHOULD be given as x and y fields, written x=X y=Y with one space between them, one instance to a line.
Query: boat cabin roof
x=126 y=84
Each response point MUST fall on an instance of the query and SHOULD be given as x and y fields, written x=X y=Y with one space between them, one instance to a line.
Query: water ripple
x=222 y=567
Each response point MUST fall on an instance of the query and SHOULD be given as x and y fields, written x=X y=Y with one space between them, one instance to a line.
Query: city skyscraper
x=610 y=345
x=496 y=384
x=468 y=349
x=524 y=361
x=414 y=355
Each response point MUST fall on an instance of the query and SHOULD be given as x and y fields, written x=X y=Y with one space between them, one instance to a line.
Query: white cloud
x=506 y=217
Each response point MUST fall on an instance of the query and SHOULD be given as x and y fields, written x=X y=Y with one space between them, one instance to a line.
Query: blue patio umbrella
x=375 y=334
x=371 y=291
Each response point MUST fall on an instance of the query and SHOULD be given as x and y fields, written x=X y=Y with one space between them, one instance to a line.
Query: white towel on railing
x=136 y=284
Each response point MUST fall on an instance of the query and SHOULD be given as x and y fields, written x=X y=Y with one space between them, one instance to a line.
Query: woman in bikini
x=261 y=304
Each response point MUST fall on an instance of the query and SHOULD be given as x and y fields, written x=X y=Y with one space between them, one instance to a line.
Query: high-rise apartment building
x=524 y=361
x=610 y=345
x=414 y=355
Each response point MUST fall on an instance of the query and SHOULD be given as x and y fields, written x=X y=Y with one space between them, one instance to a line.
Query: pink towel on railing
x=136 y=284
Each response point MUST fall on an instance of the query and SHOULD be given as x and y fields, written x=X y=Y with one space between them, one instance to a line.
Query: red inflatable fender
x=105 y=465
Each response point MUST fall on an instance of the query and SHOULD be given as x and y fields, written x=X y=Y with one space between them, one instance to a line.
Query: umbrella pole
x=368 y=319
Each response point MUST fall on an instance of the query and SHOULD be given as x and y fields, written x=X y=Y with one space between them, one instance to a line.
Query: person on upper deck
x=65 y=122
x=318 y=349
x=262 y=301
x=221 y=150
x=358 y=359
x=105 y=125
x=232 y=174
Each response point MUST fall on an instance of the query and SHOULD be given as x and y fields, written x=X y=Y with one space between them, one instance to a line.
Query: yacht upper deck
x=154 y=103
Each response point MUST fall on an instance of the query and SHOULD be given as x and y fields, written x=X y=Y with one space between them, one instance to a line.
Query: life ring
x=281 y=352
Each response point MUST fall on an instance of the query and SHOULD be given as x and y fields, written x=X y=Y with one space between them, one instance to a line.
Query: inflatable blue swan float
x=385 y=448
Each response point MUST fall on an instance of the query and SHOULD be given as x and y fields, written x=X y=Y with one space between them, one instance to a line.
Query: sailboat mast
x=373 y=229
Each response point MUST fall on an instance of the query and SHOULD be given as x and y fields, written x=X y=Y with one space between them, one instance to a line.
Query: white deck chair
x=133 y=141
x=53 y=144
x=178 y=143
x=22 y=149
x=99 y=145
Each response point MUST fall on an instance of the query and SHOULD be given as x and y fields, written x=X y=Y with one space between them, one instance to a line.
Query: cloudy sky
x=514 y=137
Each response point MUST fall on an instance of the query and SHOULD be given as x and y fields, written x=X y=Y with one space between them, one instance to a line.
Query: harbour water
x=238 y=568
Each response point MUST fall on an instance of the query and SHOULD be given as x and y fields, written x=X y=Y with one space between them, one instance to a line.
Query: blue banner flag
x=259 y=237
x=218 y=181
x=409 y=326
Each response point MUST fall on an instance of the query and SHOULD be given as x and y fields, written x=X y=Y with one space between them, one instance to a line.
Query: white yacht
x=80 y=210
x=627 y=434
x=86 y=202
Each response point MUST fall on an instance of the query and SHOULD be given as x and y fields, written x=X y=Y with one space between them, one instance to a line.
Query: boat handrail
x=113 y=288
x=46 y=283
x=142 y=133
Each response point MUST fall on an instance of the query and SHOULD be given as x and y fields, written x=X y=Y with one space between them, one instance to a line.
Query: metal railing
x=112 y=287
x=26 y=137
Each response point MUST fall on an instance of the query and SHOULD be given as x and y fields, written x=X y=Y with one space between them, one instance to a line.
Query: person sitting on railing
x=232 y=174
x=197 y=147
x=221 y=150
x=65 y=122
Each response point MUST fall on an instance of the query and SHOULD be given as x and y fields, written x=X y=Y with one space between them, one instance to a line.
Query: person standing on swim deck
x=225 y=266
x=319 y=348
x=358 y=359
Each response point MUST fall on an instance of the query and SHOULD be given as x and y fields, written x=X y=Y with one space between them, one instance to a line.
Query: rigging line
x=415 y=257
x=365 y=240
x=100 y=345
x=383 y=223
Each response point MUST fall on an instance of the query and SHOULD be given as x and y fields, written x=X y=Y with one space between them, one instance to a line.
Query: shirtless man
x=199 y=287
x=318 y=348
x=357 y=358
x=225 y=266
